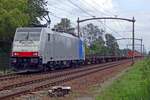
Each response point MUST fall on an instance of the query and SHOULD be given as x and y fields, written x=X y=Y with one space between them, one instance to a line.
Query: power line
x=70 y=1
x=55 y=15
x=108 y=12
x=101 y=22
x=110 y=28
x=117 y=26
x=79 y=8
x=120 y=25
x=66 y=3
x=75 y=5
x=94 y=8
x=103 y=9
x=63 y=10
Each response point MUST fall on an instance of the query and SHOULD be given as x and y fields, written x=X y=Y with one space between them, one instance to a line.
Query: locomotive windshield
x=26 y=34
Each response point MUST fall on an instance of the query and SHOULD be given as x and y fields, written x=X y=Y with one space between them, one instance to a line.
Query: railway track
x=13 y=76
x=55 y=79
x=17 y=76
x=48 y=76
x=7 y=76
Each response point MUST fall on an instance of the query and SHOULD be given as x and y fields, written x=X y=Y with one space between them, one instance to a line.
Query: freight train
x=41 y=49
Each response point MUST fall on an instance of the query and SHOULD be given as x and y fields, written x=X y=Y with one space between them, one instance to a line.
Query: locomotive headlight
x=14 y=54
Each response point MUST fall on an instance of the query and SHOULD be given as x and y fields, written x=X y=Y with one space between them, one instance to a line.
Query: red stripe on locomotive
x=24 y=54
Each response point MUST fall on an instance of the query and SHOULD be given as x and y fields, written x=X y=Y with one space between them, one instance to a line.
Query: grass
x=134 y=85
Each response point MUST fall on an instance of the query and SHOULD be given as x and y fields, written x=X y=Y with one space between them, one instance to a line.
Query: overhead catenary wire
x=94 y=8
x=106 y=25
x=111 y=29
x=79 y=8
x=89 y=14
x=60 y=9
x=110 y=13
x=118 y=24
x=102 y=13
x=105 y=14
x=63 y=8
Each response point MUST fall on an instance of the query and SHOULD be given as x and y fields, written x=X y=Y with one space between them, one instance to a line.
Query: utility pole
x=133 y=36
x=141 y=47
x=143 y=50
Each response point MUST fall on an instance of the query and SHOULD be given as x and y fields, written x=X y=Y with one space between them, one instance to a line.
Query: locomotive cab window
x=24 y=34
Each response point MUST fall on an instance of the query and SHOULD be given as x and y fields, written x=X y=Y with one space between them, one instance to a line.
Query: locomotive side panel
x=81 y=50
x=66 y=47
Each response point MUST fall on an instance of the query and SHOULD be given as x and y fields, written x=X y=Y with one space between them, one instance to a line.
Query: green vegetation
x=65 y=26
x=13 y=14
x=112 y=45
x=95 y=43
x=134 y=85
x=98 y=46
x=18 y=13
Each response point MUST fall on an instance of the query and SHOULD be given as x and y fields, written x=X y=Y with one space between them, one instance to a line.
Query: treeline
x=19 y=13
x=99 y=42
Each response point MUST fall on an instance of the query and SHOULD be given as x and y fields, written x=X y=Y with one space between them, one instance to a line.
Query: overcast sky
x=140 y=9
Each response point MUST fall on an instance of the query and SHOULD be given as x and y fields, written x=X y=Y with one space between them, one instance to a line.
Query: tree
x=112 y=44
x=87 y=49
x=36 y=9
x=65 y=26
x=19 y=13
x=91 y=33
x=93 y=38
x=11 y=16
x=97 y=46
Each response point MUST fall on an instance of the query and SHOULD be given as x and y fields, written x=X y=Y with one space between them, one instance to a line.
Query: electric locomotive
x=40 y=48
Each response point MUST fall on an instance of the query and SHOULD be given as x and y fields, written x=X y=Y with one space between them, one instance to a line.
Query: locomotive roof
x=39 y=29
x=65 y=34
x=29 y=29
x=61 y=33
